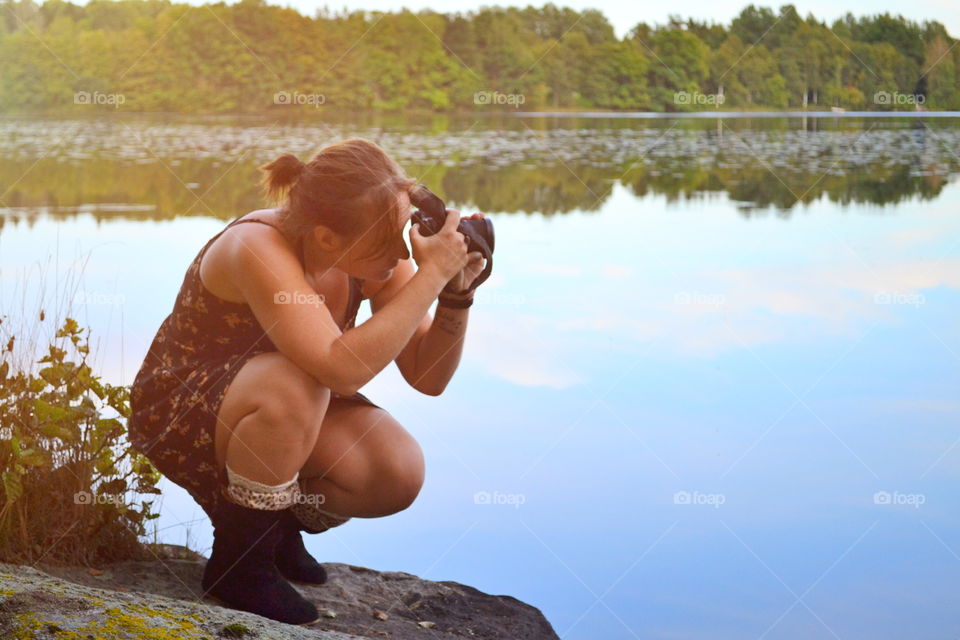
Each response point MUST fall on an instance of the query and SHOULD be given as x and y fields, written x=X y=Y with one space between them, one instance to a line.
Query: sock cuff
x=235 y=478
x=257 y=495
x=314 y=519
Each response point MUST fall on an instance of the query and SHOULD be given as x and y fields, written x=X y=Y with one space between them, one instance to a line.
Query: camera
x=432 y=213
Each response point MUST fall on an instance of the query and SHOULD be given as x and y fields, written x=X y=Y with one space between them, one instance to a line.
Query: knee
x=292 y=405
x=400 y=476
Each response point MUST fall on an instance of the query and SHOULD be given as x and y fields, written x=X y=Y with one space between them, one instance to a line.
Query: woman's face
x=380 y=267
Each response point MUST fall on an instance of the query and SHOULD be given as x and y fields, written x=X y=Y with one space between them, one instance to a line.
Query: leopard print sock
x=311 y=516
x=256 y=495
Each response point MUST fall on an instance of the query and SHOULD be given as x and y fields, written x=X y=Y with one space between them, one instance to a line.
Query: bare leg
x=269 y=420
x=364 y=463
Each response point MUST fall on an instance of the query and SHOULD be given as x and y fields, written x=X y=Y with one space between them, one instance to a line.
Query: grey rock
x=162 y=598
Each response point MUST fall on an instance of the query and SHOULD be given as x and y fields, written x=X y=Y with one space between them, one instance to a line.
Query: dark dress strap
x=356 y=297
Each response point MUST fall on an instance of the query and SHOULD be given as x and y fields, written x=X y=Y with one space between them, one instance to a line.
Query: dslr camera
x=432 y=213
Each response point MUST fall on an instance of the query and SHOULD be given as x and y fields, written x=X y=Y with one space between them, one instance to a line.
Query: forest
x=253 y=57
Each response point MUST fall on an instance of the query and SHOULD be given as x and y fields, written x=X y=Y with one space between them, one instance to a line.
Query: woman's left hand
x=470 y=272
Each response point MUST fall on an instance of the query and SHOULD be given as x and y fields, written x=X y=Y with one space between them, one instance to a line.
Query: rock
x=161 y=598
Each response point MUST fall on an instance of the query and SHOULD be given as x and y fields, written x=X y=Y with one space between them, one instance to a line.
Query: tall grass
x=72 y=491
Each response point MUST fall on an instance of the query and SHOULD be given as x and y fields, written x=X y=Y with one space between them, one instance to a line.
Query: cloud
x=615 y=271
x=557 y=269
x=739 y=308
x=523 y=352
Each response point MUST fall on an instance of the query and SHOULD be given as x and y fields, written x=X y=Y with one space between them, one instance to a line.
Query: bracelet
x=455 y=293
x=454 y=303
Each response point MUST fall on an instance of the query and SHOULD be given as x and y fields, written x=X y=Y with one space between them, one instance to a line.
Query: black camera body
x=432 y=213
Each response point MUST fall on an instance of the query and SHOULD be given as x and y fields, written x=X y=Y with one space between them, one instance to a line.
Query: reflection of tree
x=553 y=189
x=546 y=189
x=173 y=191
x=840 y=165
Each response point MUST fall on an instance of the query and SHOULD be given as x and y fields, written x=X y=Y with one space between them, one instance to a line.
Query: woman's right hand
x=445 y=251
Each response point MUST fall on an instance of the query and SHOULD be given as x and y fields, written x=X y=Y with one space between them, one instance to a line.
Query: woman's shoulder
x=213 y=269
x=269 y=216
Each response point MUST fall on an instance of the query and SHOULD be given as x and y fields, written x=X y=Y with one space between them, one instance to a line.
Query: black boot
x=292 y=558
x=241 y=572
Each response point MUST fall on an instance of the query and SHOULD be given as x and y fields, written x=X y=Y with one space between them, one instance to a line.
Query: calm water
x=711 y=390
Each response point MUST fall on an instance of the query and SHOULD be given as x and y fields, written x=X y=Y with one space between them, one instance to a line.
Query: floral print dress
x=195 y=355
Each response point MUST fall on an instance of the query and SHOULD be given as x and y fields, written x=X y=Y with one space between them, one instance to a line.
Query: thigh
x=271 y=383
x=358 y=443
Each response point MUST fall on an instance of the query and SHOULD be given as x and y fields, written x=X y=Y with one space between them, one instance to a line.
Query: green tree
x=680 y=65
x=161 y=55
x=940 y=72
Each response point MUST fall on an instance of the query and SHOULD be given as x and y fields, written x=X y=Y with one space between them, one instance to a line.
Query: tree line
x=156 y=55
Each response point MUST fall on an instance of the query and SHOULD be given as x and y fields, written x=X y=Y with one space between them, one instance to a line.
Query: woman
x=248 y=395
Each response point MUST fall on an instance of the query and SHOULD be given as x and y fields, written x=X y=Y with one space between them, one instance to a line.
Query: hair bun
x=282 y=175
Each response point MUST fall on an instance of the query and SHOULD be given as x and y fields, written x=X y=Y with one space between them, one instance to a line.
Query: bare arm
x=262 y=266
x=366 y=350
x=432 y=355
x=438 y=353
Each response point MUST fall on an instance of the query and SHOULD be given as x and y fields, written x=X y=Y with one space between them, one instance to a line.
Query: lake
x=710 y=391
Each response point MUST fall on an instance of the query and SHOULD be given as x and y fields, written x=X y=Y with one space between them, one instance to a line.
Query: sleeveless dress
x=198 y=350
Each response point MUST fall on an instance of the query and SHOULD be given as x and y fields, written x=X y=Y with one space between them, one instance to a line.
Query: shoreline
x=738 y=114
x=635 y=115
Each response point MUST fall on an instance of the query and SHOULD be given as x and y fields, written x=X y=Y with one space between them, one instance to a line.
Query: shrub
x=72 y=488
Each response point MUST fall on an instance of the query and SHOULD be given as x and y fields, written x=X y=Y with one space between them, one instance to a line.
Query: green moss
x=93 y=599
x=25 y=627
x=141 y=623
x=235 y=630
x=134 y=621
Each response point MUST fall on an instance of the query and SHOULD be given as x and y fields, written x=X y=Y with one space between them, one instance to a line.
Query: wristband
x=454 y=303
x=447 y=289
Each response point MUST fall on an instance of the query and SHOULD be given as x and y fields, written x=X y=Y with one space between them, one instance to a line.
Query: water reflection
x=140 y=168
x=661 y=338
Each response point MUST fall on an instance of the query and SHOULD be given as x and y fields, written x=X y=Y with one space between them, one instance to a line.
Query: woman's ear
x=327 y=239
